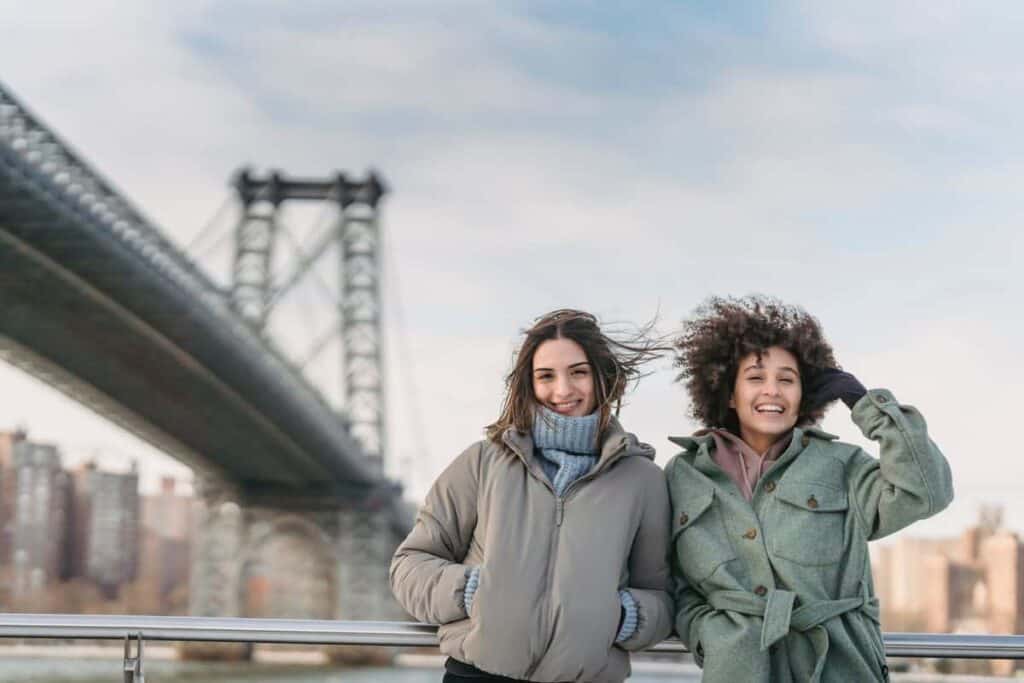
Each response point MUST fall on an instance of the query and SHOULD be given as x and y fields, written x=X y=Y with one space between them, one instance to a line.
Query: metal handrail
x=405 y=634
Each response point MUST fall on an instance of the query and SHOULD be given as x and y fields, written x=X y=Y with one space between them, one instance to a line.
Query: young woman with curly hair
x=771 y=515
x=542 y=550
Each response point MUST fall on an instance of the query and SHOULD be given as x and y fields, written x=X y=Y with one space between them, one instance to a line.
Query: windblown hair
x=723 y=331
x=615 y=363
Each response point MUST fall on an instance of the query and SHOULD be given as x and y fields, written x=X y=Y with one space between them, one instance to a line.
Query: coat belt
x=780 y=617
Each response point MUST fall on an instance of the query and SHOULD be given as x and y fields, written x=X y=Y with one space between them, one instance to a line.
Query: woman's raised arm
x=911 y=480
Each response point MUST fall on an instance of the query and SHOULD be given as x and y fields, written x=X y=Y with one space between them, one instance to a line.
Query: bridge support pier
x=214 y=590
x=291 y=557
x=365 y=545
x=214 y=584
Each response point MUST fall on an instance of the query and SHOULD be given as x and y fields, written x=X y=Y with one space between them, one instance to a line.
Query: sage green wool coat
x=779 y=588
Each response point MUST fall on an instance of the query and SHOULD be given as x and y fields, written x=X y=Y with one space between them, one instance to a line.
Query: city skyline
x=82 y=537
x=630 y=165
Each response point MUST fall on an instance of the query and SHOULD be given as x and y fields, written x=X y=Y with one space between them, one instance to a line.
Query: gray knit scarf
x=567 y=446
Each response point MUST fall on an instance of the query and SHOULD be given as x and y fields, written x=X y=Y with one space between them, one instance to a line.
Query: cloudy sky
x=860 y=159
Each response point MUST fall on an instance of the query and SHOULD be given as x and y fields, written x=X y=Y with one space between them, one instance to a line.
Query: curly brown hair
x=615 y=362
x=723 y=331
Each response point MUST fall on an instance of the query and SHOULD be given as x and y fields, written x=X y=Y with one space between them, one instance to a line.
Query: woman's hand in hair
x=827 y=384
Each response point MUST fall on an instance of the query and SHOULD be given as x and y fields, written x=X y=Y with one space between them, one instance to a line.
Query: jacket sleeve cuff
x=450 y=588
x=653 y=619
x=469 y=591
x=630 y=618
x=872 y=405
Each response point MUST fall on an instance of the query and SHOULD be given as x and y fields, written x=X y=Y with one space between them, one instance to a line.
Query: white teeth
x=769 y=409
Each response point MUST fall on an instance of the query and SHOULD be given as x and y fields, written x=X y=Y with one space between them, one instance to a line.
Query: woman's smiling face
x=766 y=396
x=563 y=380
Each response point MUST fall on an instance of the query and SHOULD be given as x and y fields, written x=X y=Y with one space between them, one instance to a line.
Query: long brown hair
x=615 y=364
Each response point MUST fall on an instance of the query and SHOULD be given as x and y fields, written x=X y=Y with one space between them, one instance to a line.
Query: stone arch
x=288 y=571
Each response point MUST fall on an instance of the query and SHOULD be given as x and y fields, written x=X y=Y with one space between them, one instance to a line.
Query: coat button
x=761 y=590
x=683 y=518
x=805 y=441
x=812 y=503
x=769 y=486
x=881 y=398
x=750 y=533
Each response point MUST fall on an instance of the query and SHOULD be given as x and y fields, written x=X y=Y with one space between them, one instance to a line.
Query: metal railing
x=402 y=634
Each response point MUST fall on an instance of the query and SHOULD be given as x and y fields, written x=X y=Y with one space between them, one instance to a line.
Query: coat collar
x=697 y=448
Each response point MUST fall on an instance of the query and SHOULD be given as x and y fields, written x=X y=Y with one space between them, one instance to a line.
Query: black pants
x=460 y=672
x=485 y=678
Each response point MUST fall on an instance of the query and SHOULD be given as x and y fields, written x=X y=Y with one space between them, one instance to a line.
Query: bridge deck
x=133 y=324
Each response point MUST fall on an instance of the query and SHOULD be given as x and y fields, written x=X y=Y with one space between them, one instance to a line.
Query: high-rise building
x=166 y=531
x=40 y=518
x=8 y=486
x=105 y=527
x=900 y=569
x=7 y=491
x=1002 y=555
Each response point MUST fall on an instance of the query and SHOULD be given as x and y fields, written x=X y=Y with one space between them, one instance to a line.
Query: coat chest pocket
x=810 y=523
x=699 y=540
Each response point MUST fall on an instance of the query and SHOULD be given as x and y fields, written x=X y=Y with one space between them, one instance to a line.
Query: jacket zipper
x=612 y=459
x=561 y=500
x=553 y=549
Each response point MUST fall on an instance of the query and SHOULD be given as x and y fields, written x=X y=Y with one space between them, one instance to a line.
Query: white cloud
x=874 y=182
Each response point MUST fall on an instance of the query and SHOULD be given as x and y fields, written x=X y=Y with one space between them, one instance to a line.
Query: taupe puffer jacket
x=547 y=608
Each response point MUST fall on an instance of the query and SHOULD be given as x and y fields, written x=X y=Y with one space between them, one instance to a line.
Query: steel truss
x=355 y=237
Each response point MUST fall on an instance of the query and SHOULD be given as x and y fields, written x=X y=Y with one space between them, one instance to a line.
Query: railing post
x=133 y=665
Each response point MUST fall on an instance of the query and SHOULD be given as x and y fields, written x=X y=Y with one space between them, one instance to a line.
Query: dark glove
x=827 y=384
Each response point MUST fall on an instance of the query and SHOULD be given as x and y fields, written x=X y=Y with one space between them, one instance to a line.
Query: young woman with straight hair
x=771 y=515
x=542 y=549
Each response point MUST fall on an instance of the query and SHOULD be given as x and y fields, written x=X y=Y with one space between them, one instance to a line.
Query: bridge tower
x=355 y=240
